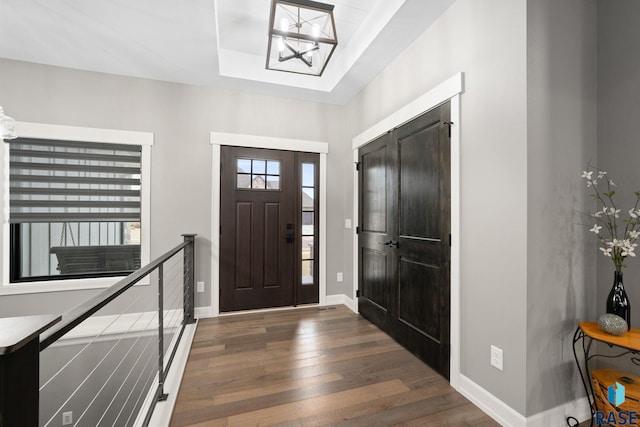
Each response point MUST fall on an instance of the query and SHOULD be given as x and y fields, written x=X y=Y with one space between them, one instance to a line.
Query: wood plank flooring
x=311 y=367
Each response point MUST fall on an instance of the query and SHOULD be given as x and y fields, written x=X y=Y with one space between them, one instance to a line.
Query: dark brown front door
x=268 y=235
x=404 y=238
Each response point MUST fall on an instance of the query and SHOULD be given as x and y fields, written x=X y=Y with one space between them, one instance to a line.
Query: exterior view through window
x=308 y=222
x=74 y=209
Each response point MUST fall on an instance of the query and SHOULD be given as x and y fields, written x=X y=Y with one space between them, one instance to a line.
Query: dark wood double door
x=269 y=228
x=404 y=236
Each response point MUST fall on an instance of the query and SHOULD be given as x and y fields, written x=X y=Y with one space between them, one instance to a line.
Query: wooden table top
x=630 y=340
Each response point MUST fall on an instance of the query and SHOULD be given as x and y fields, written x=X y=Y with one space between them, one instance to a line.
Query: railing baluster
x=189 y=274
x=161 y=394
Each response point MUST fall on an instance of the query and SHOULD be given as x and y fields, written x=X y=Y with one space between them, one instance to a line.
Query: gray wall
x=561 y=141
x=619 y=126
x=181 y=117
x=487 y=41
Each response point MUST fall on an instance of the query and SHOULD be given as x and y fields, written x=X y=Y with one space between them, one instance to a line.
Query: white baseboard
x=203 y=312
x=491 y=405
x=207 y=311
x=557 y=417
x=340 y=299
x=507 y=416
x=163 y=410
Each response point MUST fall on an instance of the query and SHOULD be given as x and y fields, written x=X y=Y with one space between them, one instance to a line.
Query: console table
x=586 y=334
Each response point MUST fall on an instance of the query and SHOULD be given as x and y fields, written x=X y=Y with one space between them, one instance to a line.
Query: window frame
x=75 y=133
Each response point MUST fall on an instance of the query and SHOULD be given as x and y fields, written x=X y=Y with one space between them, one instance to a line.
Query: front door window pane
x=308 y=175
x=257 y=174
x=308 y=222
x=307 y=272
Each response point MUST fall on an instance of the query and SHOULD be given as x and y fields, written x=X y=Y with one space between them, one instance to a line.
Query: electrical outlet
x=200 y=286
x=347 y=223
x=496 y=357
x=339 y=277
x=67 y=418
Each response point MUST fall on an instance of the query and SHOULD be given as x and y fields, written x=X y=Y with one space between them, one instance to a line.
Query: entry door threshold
x=268 y=310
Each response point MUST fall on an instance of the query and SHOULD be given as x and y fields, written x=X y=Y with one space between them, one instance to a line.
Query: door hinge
x=449 y=239
x=357 y=230
x=357 y=293
x=221 y=230
x=357 y=165
x=448 y=124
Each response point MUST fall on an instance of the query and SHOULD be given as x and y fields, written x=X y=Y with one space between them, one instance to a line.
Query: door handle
x=289 y=237
x=391 y=244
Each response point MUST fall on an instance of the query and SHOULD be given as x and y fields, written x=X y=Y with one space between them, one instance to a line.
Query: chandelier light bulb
x=315 y=31
x=280 y=44
x=284 y=24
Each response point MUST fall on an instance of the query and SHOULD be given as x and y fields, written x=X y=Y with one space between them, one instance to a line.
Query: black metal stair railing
x=94 y=364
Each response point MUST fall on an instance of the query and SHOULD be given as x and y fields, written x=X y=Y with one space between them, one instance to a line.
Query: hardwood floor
x=308 y=367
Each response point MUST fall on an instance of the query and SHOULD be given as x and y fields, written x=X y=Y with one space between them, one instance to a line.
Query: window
x=74 y=209
x=308 y=223
x=258 y=174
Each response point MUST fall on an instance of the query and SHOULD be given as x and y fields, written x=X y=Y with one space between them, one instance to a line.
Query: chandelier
x=302 y=36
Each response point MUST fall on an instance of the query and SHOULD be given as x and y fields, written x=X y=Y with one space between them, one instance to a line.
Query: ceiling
x=208 y=42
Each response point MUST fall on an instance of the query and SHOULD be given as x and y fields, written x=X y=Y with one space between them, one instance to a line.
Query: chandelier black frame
x=302 y=36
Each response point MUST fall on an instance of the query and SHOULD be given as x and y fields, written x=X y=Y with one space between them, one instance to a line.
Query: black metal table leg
x=586 y=347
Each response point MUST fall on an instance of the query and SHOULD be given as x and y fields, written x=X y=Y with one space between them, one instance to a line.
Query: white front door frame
x=449 y=90
x=217 y=140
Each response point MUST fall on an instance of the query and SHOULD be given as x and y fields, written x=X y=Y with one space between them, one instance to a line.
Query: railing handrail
x=83 y=311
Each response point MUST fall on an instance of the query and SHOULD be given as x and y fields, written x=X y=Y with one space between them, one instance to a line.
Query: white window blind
x=72 y=181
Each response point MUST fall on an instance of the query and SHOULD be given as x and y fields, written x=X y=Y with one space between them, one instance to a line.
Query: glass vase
x=617 y=301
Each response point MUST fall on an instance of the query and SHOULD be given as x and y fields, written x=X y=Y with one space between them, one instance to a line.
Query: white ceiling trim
x=248 y=66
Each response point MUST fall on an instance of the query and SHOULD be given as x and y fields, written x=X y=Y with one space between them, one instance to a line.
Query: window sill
x=63 y=285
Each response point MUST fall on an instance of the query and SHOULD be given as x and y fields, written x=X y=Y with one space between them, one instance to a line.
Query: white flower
x=606 y=252
x=615 y=212
x=628 y=250
x=601 y=174
x=611 y=183
x=587 y=175
x=596 y=228
x=615 y=243
x=632 y=214
x=597 y=214
x=634 y=234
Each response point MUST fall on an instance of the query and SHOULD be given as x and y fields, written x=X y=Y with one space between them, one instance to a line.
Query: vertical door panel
x=374 y=189
x=419 y=282
x=420 y=184
x=271 y=244
x=376 y=301
x=374 y=277
x=244 y=245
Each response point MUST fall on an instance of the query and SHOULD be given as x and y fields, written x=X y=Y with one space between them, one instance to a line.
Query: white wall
x=181 y=117
x=487 y=41
x=561 y=127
